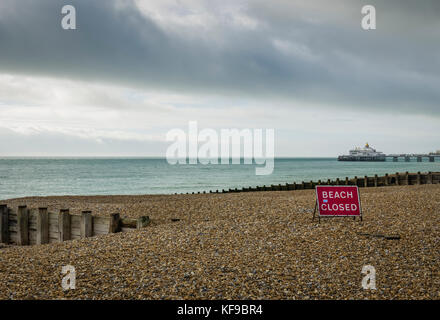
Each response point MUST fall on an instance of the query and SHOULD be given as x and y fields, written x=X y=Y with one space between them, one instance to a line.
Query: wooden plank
x=4 y=224
x=54 y=240
x=13 y=238
x=142 y=222
x=75 y=235
x=75 y=221
x=53 y=228
x=101 y=225
x=128 y=223
x=64 y=219
x=32 y=237
x=23 y=225
x=75 y=231
x=86 y=224
x=42 y=226
x=99 y=233
x=114 y=223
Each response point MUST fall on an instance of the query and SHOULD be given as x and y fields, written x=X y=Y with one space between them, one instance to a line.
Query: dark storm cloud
x=316 y=54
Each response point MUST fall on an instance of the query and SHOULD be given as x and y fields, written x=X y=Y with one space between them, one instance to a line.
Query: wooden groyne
x=30 y=226
x=366 y=181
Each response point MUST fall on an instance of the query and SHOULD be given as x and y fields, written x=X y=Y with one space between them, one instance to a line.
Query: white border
x=338 y=215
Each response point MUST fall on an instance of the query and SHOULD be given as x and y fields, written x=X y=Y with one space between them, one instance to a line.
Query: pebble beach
x=256 y=245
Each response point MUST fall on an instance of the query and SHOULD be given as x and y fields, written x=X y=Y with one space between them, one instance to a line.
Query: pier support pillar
x=395 y=159
x=4 y=224
x=407 y=159
x=42 y=226
x=64 y=221
x=431 y=158
x=419 y=159
x=22 y=226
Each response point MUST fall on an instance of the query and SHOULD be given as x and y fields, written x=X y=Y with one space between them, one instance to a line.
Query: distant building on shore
x=437 y=153
x=366 y=153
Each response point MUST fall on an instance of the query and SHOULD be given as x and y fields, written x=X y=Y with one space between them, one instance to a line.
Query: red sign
x=338 y=201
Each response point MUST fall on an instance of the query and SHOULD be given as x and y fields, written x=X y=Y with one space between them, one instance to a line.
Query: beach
x=253 y=245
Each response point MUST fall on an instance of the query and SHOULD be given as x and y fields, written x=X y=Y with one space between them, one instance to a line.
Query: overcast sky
x=135 y=69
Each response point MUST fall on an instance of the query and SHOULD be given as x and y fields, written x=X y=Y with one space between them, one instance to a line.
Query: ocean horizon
x=47 y=176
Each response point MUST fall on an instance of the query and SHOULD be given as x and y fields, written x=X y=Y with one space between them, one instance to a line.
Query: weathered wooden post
x=375 y=180
x=337 y=181
x=114 y=223
x=355 y=180
x=329 y=182
x=86 y=224
x=419 y=180
x=366 y=181
x=386 y=179
x=407 y=178
x=64 y=222
x=397 y=179
x=4 y=224
x=294 y=186
x=142 y=222
x=346 y=181
x=42 y=226
x=429 y=178
x=22 y=226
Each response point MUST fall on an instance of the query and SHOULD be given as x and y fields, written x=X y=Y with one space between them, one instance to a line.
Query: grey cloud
x=395 y=68
x=45 y=142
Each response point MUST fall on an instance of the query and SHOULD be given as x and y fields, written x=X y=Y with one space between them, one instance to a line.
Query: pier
x=413 y=157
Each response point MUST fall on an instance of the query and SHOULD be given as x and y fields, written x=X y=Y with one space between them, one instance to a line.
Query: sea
x=20 y=177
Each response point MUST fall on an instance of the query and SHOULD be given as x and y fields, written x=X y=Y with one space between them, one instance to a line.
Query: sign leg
x=314 y=211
